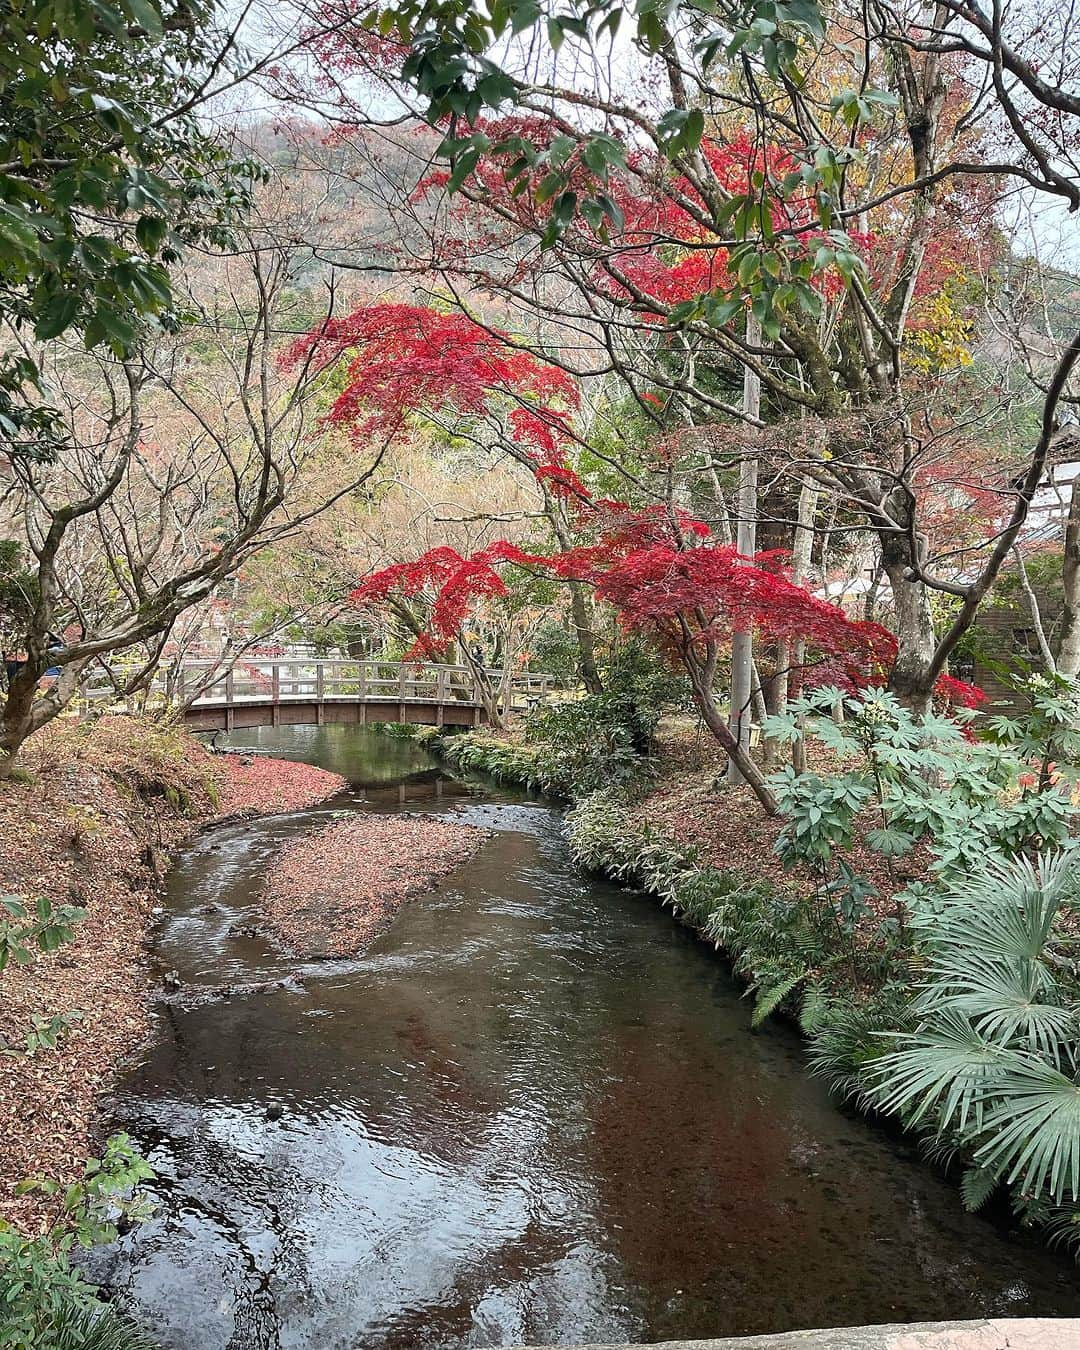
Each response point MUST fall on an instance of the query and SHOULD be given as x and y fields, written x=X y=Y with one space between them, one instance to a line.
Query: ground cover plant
x=47 y=1302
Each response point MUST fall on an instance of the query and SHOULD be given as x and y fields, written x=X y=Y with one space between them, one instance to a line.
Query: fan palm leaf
x=991 y=1064
x=940 y=1075
x=1008 y=1003
x=1007 y=909
x=1033 y=1130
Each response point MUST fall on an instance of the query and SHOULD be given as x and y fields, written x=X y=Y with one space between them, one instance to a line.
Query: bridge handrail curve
x=259 y=679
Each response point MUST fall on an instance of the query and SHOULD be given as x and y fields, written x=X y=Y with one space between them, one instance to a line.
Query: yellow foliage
x=941 y=340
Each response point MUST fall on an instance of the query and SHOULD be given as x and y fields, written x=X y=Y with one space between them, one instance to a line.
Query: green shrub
x=847 y=1035
x=26 y=930
x=585 y=746
x=44 y=925
x=407 y=731
x=554 y=650
x=922 y=779
x=604 y=742
x=481 y=752
x=46 y=1302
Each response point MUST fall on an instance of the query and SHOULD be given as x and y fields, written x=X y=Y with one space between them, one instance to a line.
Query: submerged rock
x=193 y=996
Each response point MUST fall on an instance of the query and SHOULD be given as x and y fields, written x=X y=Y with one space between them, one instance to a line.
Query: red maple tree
x=669 y=582
x=403 y=361
x=656 y=566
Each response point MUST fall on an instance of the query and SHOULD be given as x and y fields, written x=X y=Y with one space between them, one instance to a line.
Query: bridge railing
x=307 y=680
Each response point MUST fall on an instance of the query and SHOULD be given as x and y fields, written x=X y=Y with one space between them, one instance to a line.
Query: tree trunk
x=579 y=604
x=792 y=654
x=488 y=694
x=17 y=721
x=25 y=711
x=701 y=683
x=1068 y=660
x=586 y=639
x=1045 y=650
x=775 y=696
x=742 y=643
x=911 y=678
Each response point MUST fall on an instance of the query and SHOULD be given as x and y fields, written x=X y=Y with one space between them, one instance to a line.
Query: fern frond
x=977 y=1185
x=768 y=1002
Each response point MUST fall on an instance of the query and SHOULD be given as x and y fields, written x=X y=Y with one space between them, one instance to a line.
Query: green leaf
x=150 y=231
x=548 y=186
x=890 y=842
x=749 y=267
x=1035 y=1131
x=680 y=130
x=146 y=15
x=462 y=166
x=767 y=1003
x=58 y=316
x=524 y=14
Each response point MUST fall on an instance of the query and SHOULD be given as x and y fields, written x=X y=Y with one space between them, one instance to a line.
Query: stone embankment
x=999 y=1333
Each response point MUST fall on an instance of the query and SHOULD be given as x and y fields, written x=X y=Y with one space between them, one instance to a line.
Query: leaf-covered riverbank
x=91 y=825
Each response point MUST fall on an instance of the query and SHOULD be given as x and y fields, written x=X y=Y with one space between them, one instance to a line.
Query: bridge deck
x=213 y=715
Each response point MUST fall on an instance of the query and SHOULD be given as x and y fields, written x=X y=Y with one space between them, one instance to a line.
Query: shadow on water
x=532 y=1112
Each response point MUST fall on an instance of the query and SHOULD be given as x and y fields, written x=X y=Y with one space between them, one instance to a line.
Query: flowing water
x=533 y=1112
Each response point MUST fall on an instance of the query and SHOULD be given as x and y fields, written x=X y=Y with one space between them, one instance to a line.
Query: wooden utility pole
x=742 y=643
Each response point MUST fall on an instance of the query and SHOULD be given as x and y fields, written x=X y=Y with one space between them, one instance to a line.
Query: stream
x=531 y=1113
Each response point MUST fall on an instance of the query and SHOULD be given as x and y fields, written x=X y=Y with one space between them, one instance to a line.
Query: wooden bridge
x=269 y=692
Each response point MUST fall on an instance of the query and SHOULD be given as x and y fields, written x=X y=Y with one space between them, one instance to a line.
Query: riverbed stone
x=999 y=1333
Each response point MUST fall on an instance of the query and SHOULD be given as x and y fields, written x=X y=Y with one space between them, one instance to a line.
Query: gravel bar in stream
x=334 y=891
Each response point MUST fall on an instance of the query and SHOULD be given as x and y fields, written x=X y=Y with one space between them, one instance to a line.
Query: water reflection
x=531 y=1113
x=365 y=758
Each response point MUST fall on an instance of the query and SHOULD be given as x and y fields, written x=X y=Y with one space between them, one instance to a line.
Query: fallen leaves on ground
x=335 y=890
x=262 y=785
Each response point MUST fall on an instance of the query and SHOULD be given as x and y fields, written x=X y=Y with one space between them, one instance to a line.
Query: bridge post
x=440 y=696
x=401 y=692
x=230 y=695
x=275 y=694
